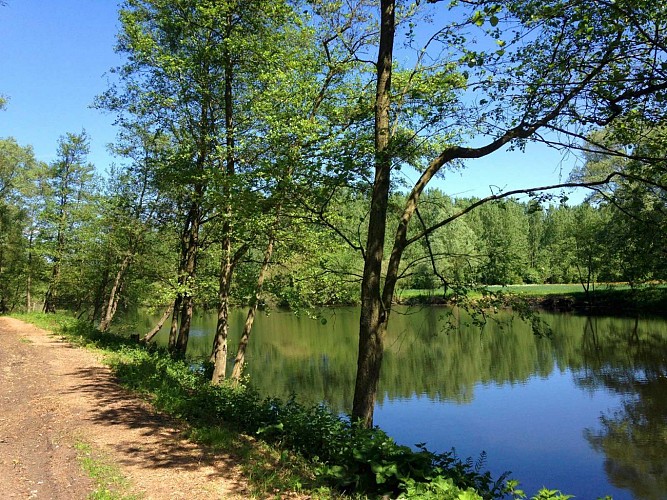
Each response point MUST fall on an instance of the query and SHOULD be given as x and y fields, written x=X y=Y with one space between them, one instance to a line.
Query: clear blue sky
x=53 y=58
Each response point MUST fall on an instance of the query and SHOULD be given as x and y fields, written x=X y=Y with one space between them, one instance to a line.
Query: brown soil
x=53 y=396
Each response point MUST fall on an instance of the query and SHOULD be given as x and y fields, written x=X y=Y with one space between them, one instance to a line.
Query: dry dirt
x=53 y=396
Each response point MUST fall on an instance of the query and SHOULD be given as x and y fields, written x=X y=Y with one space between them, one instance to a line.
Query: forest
x=268 y=150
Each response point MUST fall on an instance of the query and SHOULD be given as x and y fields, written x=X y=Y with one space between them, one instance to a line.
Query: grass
x=614 y=298
x=110 y=484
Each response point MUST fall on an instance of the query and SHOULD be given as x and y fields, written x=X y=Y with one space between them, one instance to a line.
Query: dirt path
x=53 y=396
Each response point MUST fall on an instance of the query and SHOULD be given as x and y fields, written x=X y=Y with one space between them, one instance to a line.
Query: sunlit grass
x=110 y=484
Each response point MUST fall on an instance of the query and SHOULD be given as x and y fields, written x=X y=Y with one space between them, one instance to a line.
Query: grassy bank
x=282 y=445
x=618 y=299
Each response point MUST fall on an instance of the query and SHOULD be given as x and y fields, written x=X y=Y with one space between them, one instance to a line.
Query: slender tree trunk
x=149 y=336
x=112 y=301
x=28 y=298
x=219 y=352
x=252 y=311
x=374 y=311
x=173 y=330
x=50 y=298
x=28 y=290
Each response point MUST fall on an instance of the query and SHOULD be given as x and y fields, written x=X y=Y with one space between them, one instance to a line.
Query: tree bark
x=183 y=304
x=112 y=301
x=375 y=311
x=173 y=330
x=219 y=353
x=50 y=298
x=149 y=336
x=239 y=361
x=227 y=262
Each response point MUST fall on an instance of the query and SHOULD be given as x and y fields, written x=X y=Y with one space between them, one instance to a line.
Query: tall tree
x=561 y=66
x=69 y=187
x=17 y=164
x=133 y=220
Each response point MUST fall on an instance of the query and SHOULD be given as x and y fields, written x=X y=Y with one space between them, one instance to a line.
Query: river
x=583 y=410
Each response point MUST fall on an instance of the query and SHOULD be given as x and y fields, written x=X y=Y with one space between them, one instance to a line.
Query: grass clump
x=110 y=484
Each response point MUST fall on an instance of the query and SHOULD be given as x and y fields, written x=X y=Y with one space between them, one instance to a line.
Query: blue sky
x=54 y=55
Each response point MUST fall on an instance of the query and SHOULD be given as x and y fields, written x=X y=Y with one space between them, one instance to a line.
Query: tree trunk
x=112 y=302
x=374 y=311
x=173 y=330
x=189 y=250
x=28 y=289
x=184 y=329
x=219 y=352
x=50 y=298
x=149 y=336
x=252 y=311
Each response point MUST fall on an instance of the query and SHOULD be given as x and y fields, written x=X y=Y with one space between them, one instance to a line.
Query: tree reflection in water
x=631 y=362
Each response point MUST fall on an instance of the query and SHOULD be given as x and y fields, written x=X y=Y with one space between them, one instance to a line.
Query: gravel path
x=53 y=396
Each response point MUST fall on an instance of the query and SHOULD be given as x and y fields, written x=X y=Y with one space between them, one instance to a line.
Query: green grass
x=612 y=298
x=110 y=484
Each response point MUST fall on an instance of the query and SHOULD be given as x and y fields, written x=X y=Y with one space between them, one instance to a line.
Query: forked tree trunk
x=188 y=267
x=239 y=362
x=114 y=296
x=184 y=328
x=374 y=311
x=149 y=336
x=176 y=314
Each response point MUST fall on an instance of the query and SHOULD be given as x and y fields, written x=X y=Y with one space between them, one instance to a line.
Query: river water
x=583 y=411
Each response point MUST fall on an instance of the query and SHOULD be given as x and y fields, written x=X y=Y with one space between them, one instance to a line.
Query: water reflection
x=601 y=382
x=630 y=362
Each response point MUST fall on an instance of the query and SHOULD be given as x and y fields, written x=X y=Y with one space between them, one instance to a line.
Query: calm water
x=584 y=411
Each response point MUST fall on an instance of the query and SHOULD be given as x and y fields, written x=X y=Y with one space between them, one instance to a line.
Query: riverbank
x=605 y=299
x=282 y=448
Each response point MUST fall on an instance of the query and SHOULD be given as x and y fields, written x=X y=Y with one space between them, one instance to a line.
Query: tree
x=17 y=164
x=67 y=190
x=578 y=66
x=133 y=220
x=634 y=232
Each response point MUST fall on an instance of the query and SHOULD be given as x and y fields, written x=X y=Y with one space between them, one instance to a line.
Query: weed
x=109 y=482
